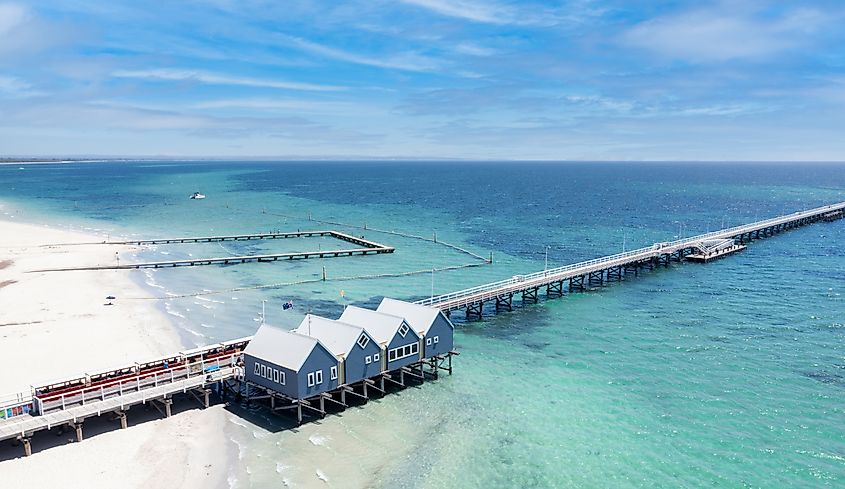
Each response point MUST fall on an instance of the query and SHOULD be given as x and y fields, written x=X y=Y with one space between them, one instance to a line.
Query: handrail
x=659 y=248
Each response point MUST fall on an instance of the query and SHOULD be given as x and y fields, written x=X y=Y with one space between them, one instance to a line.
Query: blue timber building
x=291 y=364
x=435 y=330
x=357 y=353
x=399 y=342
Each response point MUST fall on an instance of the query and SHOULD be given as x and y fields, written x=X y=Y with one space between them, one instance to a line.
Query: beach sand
x=57 y=324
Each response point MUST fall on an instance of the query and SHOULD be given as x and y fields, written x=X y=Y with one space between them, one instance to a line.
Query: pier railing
x=522 y=282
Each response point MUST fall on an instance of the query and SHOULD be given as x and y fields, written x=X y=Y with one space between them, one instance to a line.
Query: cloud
x=217 y=79
x=406 y=61
x=718 y=34
x=12 y=87
x=484 y=12
x=11 y=16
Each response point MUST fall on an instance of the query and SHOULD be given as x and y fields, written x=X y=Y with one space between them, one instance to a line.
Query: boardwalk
x=368 y=248
x=600 y=270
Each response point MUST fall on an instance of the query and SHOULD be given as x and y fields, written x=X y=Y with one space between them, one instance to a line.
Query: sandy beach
x=57 y=324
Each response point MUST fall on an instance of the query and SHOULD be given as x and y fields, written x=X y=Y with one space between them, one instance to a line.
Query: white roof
x=418 y=317
x=382 y=327
x=337 y=336
x=284 y=348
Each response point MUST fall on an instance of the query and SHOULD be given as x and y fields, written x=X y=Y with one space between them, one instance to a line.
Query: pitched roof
x=283 y=348
x=418 y=317
x=381 y=326
x=337 y=336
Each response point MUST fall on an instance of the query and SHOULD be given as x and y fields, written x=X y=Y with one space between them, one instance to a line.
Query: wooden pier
x=598 y=272
x=367 y=248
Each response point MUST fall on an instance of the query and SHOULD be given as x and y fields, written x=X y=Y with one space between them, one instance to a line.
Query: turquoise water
x=730 y=374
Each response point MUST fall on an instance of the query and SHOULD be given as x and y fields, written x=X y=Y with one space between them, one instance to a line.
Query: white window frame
x=363 y=340
x=403 y=351
x=333 y=373
x=319 y=376
x=257 y=369
x=403 y=330
x=276 y=375
x=428 y=342
x=436 y=339
x=282 y=377
x=264 y=371
x=376 y=357
x=368 y=359
x=311 y=379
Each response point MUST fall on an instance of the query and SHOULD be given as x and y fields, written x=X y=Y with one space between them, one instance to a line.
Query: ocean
x=730 y=374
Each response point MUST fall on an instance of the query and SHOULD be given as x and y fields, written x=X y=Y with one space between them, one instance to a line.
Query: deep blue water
x=730 y=374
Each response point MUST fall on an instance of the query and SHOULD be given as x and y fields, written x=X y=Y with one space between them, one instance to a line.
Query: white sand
x=54 y=325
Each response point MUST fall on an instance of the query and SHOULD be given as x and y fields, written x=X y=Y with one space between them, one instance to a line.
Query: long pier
x=599 y=271
x=368 y=247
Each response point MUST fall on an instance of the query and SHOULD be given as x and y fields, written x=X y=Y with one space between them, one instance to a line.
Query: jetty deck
x=368 y=247
x=598 y=271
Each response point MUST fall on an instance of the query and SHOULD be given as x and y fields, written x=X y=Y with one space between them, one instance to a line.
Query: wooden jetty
x=367 y=248
x=597 y=272
x=712 y=255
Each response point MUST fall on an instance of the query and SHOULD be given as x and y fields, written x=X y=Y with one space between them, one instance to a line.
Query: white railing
x=521 y=282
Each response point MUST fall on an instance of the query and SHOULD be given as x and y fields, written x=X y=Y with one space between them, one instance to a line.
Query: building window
x=428 y=341
x=376 y=357
x=281 y=377
x=311 y=379
x=276 y=375
x=363 y=340
x=257 y=370
x=319 y=376
x=369 y=359
x=403 y=351
x=333 y=372
x=436 y=339
x=403 y=330
x=264 y=371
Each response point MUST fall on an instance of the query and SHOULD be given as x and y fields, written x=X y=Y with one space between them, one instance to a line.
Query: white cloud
x=484 y=12
x=722 y=34
x=406 y=61
x=11 y=16
x=218 y=79
x=16 y=88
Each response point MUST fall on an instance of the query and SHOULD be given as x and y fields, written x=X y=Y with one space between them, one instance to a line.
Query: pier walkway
x=367 y=248
x=608 y=268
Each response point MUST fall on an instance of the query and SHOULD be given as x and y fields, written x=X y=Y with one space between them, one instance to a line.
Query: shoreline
x=61 y=326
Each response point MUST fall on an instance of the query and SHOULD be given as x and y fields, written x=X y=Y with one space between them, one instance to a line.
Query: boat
x=197 y=195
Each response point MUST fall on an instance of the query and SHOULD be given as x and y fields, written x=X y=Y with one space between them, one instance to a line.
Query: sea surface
x=730 y=374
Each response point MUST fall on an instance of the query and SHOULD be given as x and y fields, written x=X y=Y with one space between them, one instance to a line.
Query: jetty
x=367 y=247
x=599 y=271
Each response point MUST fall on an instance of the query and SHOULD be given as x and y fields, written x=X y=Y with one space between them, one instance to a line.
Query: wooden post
x=206 y=400
x=298 y=413
x=121 y=415
x=27 y=446
x=78 y=427
x=167 y=403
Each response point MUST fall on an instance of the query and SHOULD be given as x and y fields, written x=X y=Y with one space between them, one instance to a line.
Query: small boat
x=197 y=195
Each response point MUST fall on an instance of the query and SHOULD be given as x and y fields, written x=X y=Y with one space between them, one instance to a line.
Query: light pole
x=432 y=284
x=262 y=311
x=546 y=266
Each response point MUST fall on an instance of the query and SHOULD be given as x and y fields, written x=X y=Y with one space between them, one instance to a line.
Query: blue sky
x=486 y=79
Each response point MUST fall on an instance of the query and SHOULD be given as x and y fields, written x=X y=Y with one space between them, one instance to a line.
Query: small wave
x=165 y=252
x=209 y=326
x=280 y=467
x=174 y=313
x=318 y=440
x=238 y=423
x=322 y=476
x=201 y=298
x=195 y=333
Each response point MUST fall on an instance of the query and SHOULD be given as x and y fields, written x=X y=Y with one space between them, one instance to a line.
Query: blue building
x=357 y=353
x=400 y=344
x=292 y=364
x=435 y=330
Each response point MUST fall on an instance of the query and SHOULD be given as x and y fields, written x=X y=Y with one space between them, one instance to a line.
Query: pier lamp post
x=546 y=266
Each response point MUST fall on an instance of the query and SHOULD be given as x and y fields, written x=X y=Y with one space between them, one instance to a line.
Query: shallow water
x=730 y=374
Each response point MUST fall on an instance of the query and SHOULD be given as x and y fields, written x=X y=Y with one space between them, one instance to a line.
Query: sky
x=479 y=79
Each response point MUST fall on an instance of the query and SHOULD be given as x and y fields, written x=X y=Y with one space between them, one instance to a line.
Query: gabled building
x=357 y=353
x=292 y=364
x=399 y=342
x=436 y=331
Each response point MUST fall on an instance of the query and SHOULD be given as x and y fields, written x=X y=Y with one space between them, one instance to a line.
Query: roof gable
x=337 y=336
x=382 y=327
x=419 y=317
x=284 y=348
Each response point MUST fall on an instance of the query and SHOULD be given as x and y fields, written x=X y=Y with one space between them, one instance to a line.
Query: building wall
x=357 y=368
x=411 y=338
x=443 y=333
x=289 y=388
x=320 y=359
